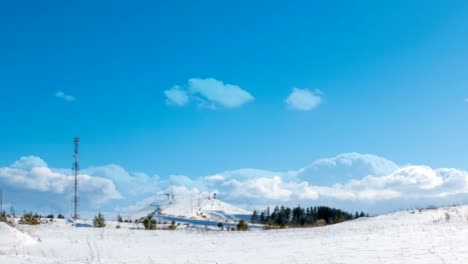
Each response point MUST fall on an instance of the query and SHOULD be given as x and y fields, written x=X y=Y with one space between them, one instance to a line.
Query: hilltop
x=191 y=207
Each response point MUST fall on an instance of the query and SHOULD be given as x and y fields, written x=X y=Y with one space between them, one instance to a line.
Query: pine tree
x=99 y=221
x=262 y=218
x=149 y=223
x=119 y=218
x=254 y=218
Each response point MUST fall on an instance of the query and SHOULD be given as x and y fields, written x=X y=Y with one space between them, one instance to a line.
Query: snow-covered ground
x=427 y=236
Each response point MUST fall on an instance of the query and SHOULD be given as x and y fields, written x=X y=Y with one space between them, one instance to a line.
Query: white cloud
x=343 y=167
x=351 y=181
x=64 y=96
x=217 y=92
x=216 y=177
x=176 y=96
x=209 y=93
x=30 y=175
x=304 y=99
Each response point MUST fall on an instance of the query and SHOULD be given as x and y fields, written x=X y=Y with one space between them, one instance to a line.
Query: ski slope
x=192 y=207
x=417 y=237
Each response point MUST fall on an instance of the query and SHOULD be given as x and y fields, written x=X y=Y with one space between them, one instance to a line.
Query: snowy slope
x=191 y=207
x=11 y=236
x=416 y=237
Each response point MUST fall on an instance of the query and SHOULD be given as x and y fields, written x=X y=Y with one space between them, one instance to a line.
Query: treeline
x=299 y=216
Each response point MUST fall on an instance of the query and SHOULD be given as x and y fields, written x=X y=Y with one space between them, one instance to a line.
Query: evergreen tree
x=254 y=218
x=149 y=223
x=284 y=216
x=262 y=218
x=99 y=221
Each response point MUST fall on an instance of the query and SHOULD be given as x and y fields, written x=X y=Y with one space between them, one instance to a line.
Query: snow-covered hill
x=193 y=207
x=10 y=236
x=416 y=237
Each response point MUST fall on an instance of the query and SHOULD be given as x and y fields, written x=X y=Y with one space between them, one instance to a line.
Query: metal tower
x=76 y=169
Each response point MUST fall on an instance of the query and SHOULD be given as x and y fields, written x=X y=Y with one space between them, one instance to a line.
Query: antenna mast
x=76 y=169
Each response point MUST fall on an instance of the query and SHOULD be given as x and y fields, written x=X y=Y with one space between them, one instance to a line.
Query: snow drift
x=11 y=237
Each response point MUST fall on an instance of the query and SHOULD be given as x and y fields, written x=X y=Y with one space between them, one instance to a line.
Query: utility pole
x=76 y=169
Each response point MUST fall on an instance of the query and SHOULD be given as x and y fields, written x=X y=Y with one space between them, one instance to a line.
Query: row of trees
x=299 y=216
x=28 y=218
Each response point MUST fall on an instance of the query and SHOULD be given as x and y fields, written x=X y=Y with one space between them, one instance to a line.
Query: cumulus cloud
x=32 y=175
x=352 y=181
x=217 y=92
x=64 y=96
x=304 y=99
x=343 y=167
x=129 y=184
x=176 y=96
x=209 y=93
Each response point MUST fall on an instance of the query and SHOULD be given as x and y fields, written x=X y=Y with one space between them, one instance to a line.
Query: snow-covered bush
x=99 y=221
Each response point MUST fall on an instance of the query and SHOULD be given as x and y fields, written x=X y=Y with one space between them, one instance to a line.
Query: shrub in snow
x=221 y=226
x=30 y=219
x=242 y=225
x=60 y=216
x=99 y=221
x=321 y=222
x=173 y=225
x=149 y=223
x=4 y=219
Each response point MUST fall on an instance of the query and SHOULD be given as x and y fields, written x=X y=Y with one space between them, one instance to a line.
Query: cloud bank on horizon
x=351 y=181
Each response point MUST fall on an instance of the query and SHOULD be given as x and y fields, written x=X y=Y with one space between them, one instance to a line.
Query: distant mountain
x=192 y=207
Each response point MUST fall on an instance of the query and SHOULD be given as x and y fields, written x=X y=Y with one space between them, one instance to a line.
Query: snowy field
x=427 y=236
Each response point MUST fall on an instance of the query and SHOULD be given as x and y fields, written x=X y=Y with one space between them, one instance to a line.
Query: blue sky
x=381 y=77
